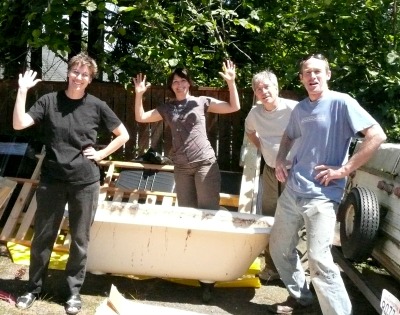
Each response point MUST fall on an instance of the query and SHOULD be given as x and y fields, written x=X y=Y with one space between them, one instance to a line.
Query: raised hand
x=140 y=83
x=229 y=71
x=27 y=80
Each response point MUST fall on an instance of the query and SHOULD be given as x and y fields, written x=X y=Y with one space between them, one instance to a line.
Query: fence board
x=225 y=131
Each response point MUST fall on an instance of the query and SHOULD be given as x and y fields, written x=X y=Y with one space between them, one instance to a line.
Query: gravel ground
x=154 y=291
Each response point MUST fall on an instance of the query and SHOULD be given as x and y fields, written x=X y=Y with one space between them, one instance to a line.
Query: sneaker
x=26 y=300
x=268 y=275
x=74 y=304
x=286 y=307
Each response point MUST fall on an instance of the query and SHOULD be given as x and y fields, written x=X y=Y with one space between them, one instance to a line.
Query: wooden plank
x=6 y=189
x=386 y=251
x=136 y=165
x=229 y=200
x=250 y=178
x=112 y=190
x=107 y=182
x=151 y=199
x=167 y=201
x=144 y=129
x=157 y=128
x=27 y=219
x=19 y=180
x=131 y=125
x=118 y=196
x=117 y=304
x=237 y=133
x=21 y=202
x=357 y=278
x=133 y=198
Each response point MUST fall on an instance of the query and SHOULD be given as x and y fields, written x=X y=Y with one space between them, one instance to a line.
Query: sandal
x=73 y=305
x=26 y=300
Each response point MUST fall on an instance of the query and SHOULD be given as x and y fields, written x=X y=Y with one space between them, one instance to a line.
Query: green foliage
x=359 y=37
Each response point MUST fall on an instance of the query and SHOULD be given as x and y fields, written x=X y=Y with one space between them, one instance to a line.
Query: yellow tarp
x=20 y=255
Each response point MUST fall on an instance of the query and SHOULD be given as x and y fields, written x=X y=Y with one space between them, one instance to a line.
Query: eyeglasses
x=84 y=75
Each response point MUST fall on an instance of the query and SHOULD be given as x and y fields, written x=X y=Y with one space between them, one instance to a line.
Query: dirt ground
x=154 y=291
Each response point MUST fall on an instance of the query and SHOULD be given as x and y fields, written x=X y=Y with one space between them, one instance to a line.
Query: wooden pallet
x=250 y=160
x=18 y=228
x=23 y=211
x=7 y=187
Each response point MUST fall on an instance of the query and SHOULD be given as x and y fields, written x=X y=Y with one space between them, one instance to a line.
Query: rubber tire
x=359 y=223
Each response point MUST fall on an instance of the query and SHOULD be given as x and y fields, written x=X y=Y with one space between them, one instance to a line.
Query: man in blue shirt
x=323 y=124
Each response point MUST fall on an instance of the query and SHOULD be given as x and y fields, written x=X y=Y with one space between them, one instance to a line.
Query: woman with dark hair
x=196 y=171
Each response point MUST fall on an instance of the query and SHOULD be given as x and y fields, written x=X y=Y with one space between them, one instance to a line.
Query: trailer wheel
x=359 y=223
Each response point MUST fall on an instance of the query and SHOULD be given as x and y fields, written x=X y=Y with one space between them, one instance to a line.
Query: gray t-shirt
x=324 y=129
x=269 y=126
x=187 y=120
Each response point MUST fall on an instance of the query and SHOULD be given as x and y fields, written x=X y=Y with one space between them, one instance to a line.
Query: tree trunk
x=96 y=40
x=75 y=36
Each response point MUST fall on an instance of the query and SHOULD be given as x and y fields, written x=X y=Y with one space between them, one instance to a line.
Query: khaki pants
x=271 y=190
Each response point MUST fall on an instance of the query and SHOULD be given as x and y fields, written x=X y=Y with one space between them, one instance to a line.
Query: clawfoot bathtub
x=175 y=242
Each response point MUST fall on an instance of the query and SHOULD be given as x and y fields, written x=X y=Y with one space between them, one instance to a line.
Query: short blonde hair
x=84 y=59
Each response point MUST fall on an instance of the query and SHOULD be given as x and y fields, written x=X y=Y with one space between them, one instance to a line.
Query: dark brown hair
x=180 y=72
x=316 y=56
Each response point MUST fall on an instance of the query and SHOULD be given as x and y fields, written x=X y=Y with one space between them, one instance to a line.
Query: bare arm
x=21 y=119
x=281 y=163
x=140 y=88
x=222 y=107
x=122 y=136
x=374 y=137
x=254 y=139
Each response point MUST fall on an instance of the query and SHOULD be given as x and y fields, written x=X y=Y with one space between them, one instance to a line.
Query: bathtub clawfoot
x=207 y=290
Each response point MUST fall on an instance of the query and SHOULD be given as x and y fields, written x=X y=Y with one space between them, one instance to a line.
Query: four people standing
x=322 y=125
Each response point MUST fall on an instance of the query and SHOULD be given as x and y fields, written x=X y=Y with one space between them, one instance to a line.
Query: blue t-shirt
x=324 y=129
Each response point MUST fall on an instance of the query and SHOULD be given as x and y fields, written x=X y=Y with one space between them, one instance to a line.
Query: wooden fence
x=225 y=131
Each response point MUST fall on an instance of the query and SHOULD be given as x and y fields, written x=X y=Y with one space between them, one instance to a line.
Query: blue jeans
x=319 y=218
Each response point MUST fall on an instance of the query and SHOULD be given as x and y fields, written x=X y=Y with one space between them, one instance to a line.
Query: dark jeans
x=198 y=184
x=51 y=200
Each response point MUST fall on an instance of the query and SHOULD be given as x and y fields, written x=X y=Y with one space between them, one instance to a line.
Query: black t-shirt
x=68 y=126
